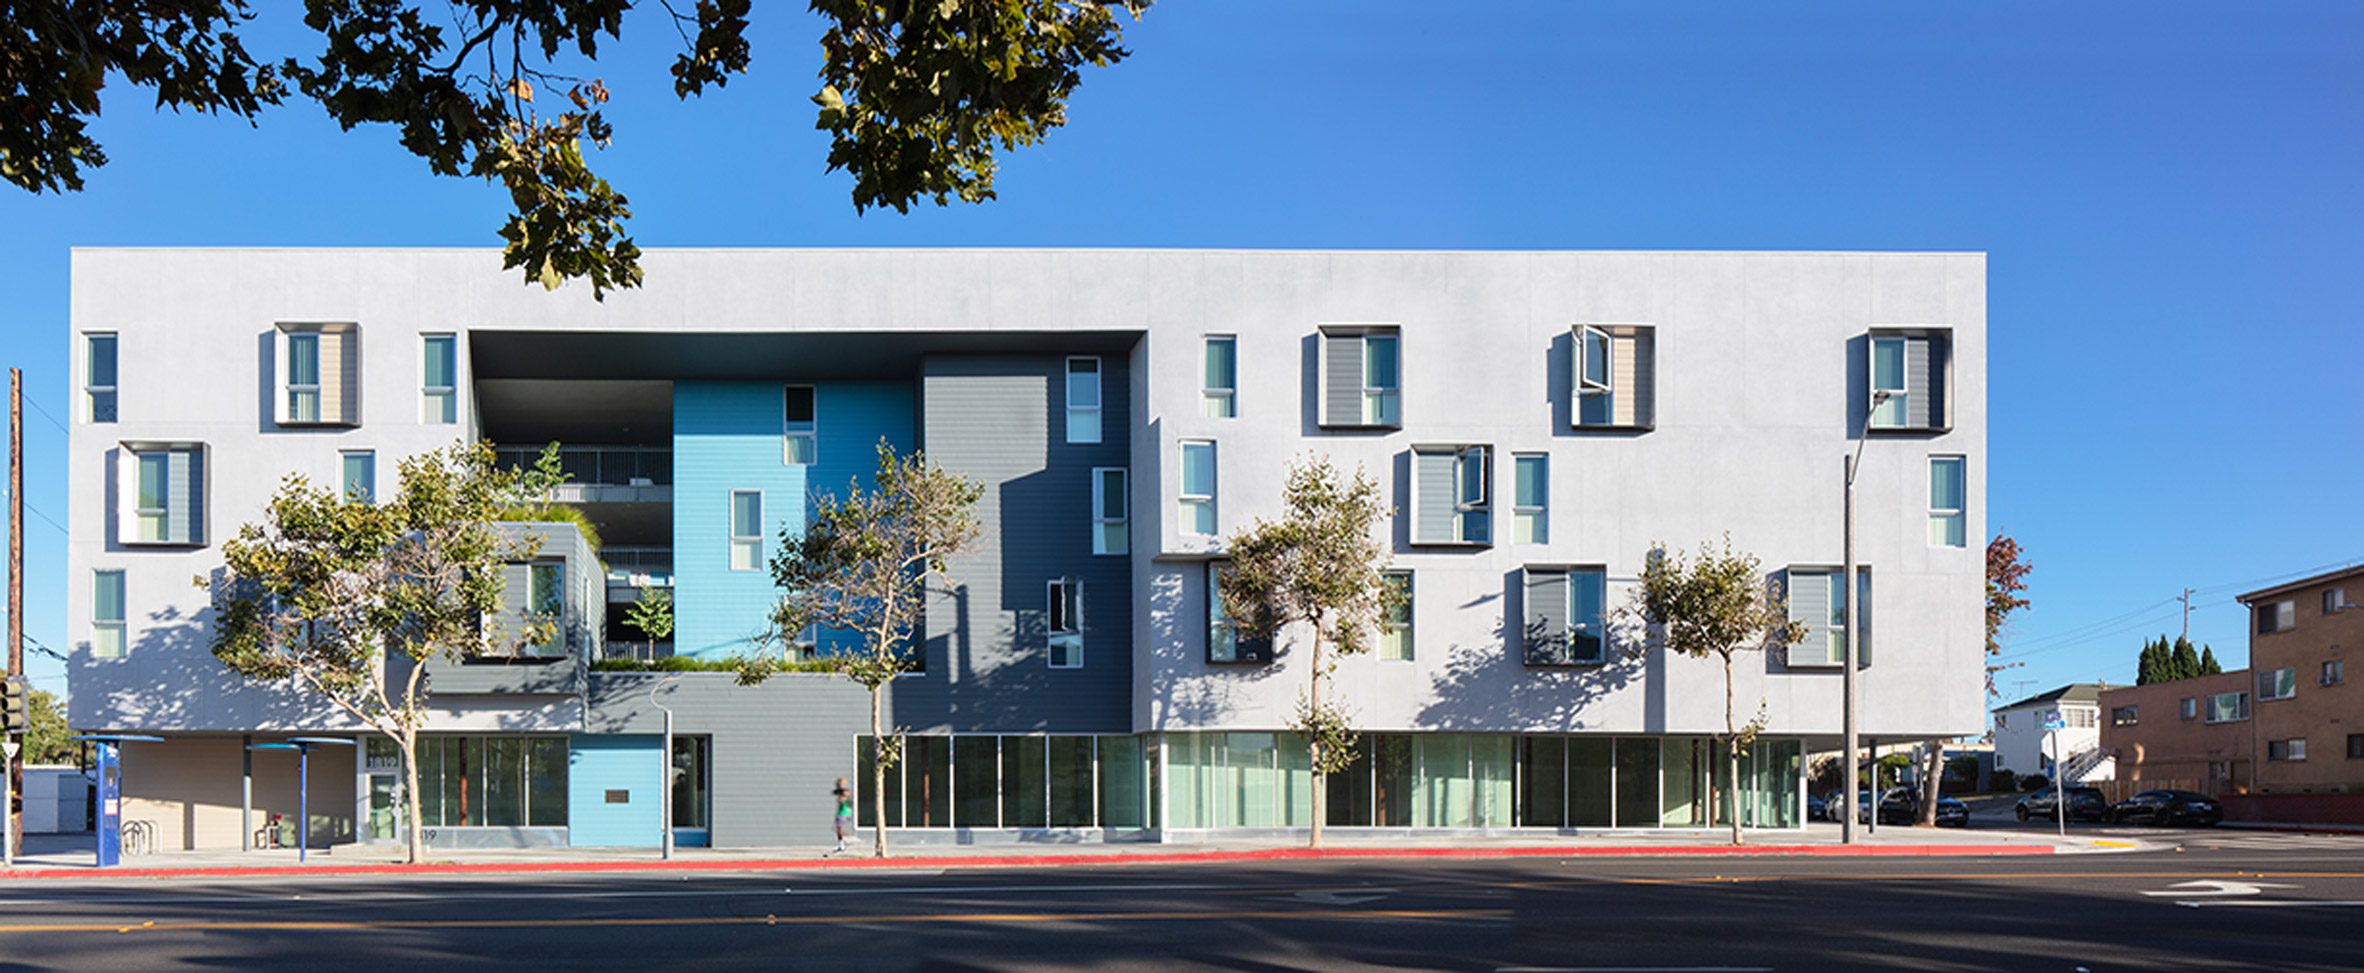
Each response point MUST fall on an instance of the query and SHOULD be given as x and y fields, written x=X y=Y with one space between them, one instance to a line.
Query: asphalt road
x=2223 y=902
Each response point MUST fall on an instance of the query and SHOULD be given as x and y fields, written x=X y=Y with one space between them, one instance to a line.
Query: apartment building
x=2309 y=722
x=1539 y=421
x=2188 y=734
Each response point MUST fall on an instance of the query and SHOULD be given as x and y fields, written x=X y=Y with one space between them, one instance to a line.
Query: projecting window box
x=319 y=374
x=1361 y=377
x=1613 y=377
x=160 y=490
x=1915 y=366
x=1818 y=604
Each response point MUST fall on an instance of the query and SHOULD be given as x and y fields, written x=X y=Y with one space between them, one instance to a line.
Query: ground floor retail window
x=1015 y=781
x=692 y=784
x=1456 y=780
x=488 y=781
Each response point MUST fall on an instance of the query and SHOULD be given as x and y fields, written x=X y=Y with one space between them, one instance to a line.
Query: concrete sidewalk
x=71 y=856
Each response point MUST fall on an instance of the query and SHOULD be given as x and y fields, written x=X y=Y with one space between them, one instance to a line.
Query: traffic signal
x=13 y=717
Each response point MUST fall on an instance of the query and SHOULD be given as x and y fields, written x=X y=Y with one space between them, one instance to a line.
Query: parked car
x=1817 y=809
x=1902 y=805
x=2084 y=804
x=2167 y=807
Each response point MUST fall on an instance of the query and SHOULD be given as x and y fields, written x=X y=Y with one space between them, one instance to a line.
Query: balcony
x=602 y=474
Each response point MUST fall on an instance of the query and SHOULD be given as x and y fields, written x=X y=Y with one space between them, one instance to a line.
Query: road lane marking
x=2215 y=887
x=2273 y=903
x=300 y=925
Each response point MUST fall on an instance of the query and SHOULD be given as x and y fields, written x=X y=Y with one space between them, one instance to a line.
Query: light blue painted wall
x=727 y=436
x=598 y=764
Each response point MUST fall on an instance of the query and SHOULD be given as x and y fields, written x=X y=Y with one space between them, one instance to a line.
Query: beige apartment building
x=2308 y=720
x=2190 y=734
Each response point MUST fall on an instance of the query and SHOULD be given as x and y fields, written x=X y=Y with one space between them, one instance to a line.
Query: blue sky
x=2168 y=194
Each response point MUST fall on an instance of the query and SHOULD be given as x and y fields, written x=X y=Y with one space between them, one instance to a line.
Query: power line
x=2137 y=618
x=61 y=528
x=53 y=420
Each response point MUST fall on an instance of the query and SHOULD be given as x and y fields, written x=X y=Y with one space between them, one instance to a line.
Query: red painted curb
x=1032 y=861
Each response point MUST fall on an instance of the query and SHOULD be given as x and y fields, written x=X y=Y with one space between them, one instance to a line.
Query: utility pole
x=13 y=833
x=2186 y=598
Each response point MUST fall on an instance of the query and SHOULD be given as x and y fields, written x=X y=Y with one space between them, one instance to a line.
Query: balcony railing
x=626 y=564
x=599 y=465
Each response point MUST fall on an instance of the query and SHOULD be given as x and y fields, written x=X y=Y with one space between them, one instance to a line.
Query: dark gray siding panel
x=1342 y=372
x=777 y=748
x=1000 y=420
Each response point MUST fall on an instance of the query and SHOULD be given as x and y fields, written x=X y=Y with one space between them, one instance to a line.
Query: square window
x=1360 y=377
x=1110 y=503
x=1219 y=390
x=799 y=432
x=1566 y=619
x=165 y=487
x=2125 y=715
x=2273 y=684
x=2189 y=708
x=2335 y=600
x=1818 y=602
x=746 y=530
x=2335 y=672
x=1083 y=400
x=2293 y=750
x=2277 y=616
x=1195 y=510
x=1612 y=378
x=1452 y=489
x=2228 y=707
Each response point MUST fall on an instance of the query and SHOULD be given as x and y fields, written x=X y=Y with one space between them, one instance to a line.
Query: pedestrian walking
x=845 y=815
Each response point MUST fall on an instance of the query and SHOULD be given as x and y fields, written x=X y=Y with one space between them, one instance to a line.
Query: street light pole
x=665 y=776
x=1848 y=613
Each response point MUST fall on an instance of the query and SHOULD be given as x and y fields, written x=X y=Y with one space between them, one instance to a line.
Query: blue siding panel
x=726 y=437
x=599 y=764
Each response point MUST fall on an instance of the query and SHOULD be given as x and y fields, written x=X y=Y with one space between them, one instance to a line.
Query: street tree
x=652 y=616
x=324 y=591
x=918 y=98
x=2007 y=569
x=1717 y=606
x=47 y=740
x=869 y=563
x=1321 y=565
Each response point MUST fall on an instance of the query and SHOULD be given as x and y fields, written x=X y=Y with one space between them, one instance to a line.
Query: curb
x=1033 y=861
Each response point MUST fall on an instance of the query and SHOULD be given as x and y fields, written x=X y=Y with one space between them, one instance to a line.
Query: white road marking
x=1344 y=898
x=2274 y=903
x=2215 y=887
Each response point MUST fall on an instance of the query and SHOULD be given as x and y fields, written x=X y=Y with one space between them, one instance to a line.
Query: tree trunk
x=1932 y=781
x=878 y=771
x=1731 y=755
x=1313 y=746
x=414 y=836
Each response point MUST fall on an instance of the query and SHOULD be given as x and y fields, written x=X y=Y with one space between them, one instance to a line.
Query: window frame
x=1186 y=503
x=130 y=458
x=1890 y=414
x=2334 y=672
x=1577 y=580
x=2335 y=600
x=1399 y=620
x=2293 y=750
x=2283 y=684
x=1102 y=520
x=1244 y=650
x=291 y=342
x=1956 y=518
x=1833 y=625
x=1587 y=336
x=793 y=430
x=161 y=511
x=1219 y=402
x=447 y=395
x=535 y=606
x=736 y=540
x=100 y=624
x=1530 y=523
x=2188 y=708
x=345 y=458
x=1477 y=511
x=1391 y=415
x=2240 y=708
x=2356 y=746
x=1063 y=603
x=1077 y=413
x=113 y=388
x=2126 y=715
x=2275 y=617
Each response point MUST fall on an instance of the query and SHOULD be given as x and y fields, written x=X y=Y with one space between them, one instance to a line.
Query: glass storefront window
x=1637 y=782
x=690 y=782
x=492 y=781
x=976 y=795
x=1443 y=790
x=1124 y=776
x=1545 y=781
x=1022 y=803
x=1071 y=782
x=1682 y=804
x=1588 y=782
x=1492 y=773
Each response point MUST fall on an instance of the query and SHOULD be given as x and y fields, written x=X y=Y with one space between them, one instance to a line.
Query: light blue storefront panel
x=601 y=767
x=728 y=436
